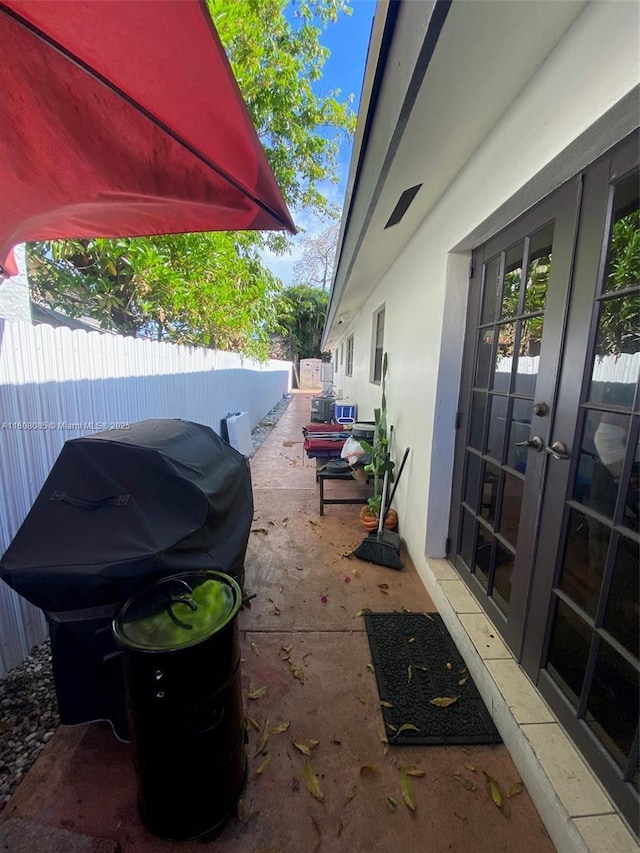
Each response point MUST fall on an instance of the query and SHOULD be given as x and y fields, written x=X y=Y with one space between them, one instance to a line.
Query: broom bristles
x=383 y=549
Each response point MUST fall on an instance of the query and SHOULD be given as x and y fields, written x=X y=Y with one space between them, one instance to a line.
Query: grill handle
x=84 y=503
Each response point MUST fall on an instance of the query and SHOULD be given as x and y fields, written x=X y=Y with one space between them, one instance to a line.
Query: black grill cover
x=119 y=510
x=124 y=506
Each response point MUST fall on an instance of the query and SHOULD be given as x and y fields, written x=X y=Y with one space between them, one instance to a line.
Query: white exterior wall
x=425 y=290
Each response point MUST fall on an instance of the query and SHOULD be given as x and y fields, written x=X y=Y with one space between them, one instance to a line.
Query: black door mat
x=415 y=661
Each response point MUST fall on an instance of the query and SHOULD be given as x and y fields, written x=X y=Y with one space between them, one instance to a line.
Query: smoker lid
x=177 y=612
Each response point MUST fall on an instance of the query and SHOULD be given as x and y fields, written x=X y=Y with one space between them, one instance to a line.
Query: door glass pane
x=490 y=294
x=497 y=423
x=476 y=427
x=617 y=357
x=623 y=264
x=472 y=480
x=631 y=510
x=520 y=430
x=511 y=506
x=538 y=271
x=584 y=557
x=483 y=555
x=467 y=537
x=529 y=356
x=504 y=357
x=502 y=577
x=604 y=440
x=485 y=354
x=613 y=707
x=621 y=619
x=569 y=650
x=490 y=482
x=512 y=279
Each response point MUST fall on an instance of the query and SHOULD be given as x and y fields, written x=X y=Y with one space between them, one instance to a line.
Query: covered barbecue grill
x=120 y=509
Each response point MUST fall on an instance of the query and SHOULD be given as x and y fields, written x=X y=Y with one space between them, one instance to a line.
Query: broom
x=383 y=547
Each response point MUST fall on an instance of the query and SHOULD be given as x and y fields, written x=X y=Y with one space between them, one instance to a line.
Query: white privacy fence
x=57 y=384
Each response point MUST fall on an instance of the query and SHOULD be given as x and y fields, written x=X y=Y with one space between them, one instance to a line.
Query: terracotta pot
x=370 y=520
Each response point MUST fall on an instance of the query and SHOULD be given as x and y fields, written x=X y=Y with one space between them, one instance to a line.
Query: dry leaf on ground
x=391 y=804
x=311 y=781
x=254 y=649
x=253 y=723
x=296 y=671
x=351 y=793
x=367 y=771
x=408 y=791
x=264 y=765
x=514 y=789
x=279 y=729
x=263 y=737
x=443 y=701
x=407 y=727
x=306 y=745
x=494 y=790
x=257 y=693
x=464 y=782
x=412 y=770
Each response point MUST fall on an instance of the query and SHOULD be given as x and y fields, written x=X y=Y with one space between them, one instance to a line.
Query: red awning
x=122 y=118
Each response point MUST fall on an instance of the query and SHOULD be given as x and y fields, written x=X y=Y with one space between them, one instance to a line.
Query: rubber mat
x=416 y=661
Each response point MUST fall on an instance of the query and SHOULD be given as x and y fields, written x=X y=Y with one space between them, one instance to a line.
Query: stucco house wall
x=591 y=73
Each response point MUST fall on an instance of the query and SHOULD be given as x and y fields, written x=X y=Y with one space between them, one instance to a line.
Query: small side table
x=322 y=475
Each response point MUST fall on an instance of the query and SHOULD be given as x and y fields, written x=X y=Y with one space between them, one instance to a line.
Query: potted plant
x=380 y=463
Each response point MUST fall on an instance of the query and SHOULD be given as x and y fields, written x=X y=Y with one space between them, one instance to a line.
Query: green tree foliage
x=276 y=61
x=213 y=289
x=206 y=289
x=300 y=312
x=619 y=320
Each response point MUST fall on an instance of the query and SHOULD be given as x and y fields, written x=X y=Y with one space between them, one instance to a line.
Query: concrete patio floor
x=80 y=795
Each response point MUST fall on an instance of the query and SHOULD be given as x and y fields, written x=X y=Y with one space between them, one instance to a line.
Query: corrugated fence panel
x=57 y=384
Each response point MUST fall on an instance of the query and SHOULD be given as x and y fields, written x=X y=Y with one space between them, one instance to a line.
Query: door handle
x=535 y=442
x=558 y=450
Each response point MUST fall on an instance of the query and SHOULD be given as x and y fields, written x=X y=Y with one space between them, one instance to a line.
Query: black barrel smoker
x=119 y=510
x=182 y=675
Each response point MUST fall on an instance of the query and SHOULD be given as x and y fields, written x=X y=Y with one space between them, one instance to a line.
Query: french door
x=544 y=519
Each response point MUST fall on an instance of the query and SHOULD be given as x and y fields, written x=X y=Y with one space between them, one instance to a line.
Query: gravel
x=268 y=422
x=28 y=717
x=28 y=708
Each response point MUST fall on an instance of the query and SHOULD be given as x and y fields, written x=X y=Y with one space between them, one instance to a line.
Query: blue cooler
x=344 y=414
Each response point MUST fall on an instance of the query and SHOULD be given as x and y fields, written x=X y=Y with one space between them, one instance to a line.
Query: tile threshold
x=576 y=811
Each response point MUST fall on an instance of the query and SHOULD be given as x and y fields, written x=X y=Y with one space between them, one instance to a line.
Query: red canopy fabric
x=122 y=118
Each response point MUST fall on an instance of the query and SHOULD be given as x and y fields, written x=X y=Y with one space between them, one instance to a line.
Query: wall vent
x=403 y=205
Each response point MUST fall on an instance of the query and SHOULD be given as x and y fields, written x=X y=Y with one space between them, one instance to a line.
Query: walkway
x=80 y=795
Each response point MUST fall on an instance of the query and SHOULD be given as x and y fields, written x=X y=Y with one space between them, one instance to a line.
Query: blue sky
x=347 y=40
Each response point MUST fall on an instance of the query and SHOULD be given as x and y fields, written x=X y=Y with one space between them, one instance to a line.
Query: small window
x=378 y=345
x=349 y=369
x=341 y=354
